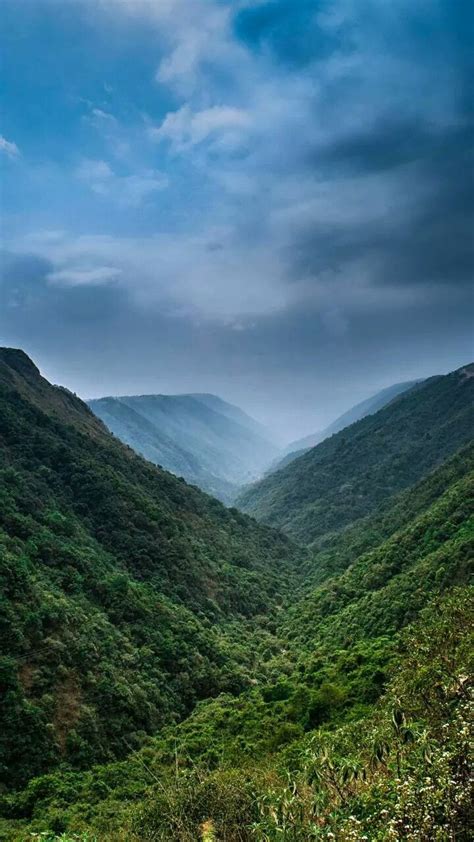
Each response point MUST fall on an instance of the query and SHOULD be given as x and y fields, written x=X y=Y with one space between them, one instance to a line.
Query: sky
x=270 y=200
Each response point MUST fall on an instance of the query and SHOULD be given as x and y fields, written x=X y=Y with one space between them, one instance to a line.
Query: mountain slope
x=347 y=476
x=122 y=589
x=383 y=588
x=337 y=551
x=360 y=410
x=146 y=438
x=313 y=700
x=209 y=442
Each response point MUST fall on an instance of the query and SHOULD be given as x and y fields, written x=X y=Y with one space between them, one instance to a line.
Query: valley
x=173 y=668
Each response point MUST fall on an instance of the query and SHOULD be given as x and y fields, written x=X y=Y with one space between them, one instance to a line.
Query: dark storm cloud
x=389 y=142
x=427 y=240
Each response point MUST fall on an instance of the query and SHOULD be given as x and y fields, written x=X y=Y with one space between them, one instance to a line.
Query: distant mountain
x=211 y=443
x=348 y=475
x=360 y=410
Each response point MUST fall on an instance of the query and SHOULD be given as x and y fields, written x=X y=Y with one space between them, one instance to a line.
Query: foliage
x=249 y=691
x=404 y=772
x=121 y=587
x=399 y=772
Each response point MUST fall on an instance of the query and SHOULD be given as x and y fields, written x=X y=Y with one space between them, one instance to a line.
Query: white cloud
x=94 y=171
x=129 y=189
x=206 y=276
x=9 y=148
x=195 y=35
x=103 y=115
x=133 y=189
x=186 y=128
x=71 y=276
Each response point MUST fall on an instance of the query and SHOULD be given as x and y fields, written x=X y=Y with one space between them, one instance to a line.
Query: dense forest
x=174 y=670
x=121 y=585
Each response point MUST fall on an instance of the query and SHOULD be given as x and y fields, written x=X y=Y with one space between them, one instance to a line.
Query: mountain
x=360 y=410
x=172 y=670
x=123 y=591
x=349 y=475
x=358 y=697
x=209 y=442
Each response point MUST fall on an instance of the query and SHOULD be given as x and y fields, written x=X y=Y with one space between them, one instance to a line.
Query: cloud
x=201 y=41
x=79 y=276
x=316 y=226
x=95 y=172
x=9 y=148
x=206 y=277
x=185 y=128
x=103 y=115
x=126 y=190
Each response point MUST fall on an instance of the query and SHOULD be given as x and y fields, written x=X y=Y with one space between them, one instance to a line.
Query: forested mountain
x=233 y=687
x=360 y=410
x=357 y=696
x=120 y=586
x=349 y=475
x=209 y=442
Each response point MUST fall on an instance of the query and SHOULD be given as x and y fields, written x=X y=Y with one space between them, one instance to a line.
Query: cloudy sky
x=266 y=199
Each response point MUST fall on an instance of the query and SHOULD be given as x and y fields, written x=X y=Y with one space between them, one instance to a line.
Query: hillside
x=209 y=442
x=355 y=413
x=349 y=475
x=351 y=708
x=124 y=592
x=360 y=410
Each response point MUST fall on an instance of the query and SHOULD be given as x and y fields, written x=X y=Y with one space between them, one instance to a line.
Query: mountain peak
x=16 y=359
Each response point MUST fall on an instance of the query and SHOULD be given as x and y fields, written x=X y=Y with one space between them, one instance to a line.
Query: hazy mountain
x=348 y=475
x=202 y=438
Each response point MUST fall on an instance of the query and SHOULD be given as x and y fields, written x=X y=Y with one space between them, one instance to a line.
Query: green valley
x=172 y=670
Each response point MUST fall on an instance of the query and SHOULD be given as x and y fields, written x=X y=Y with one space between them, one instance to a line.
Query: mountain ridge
x=376 y=457
x=369 y=406
x=211 y=443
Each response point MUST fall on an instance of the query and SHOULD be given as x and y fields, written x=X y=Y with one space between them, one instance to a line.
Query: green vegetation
x=399 y=772
x=120 y=586
x=350 y=474
x=171 y=670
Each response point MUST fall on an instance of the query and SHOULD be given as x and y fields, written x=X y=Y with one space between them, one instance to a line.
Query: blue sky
x=268 y=200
